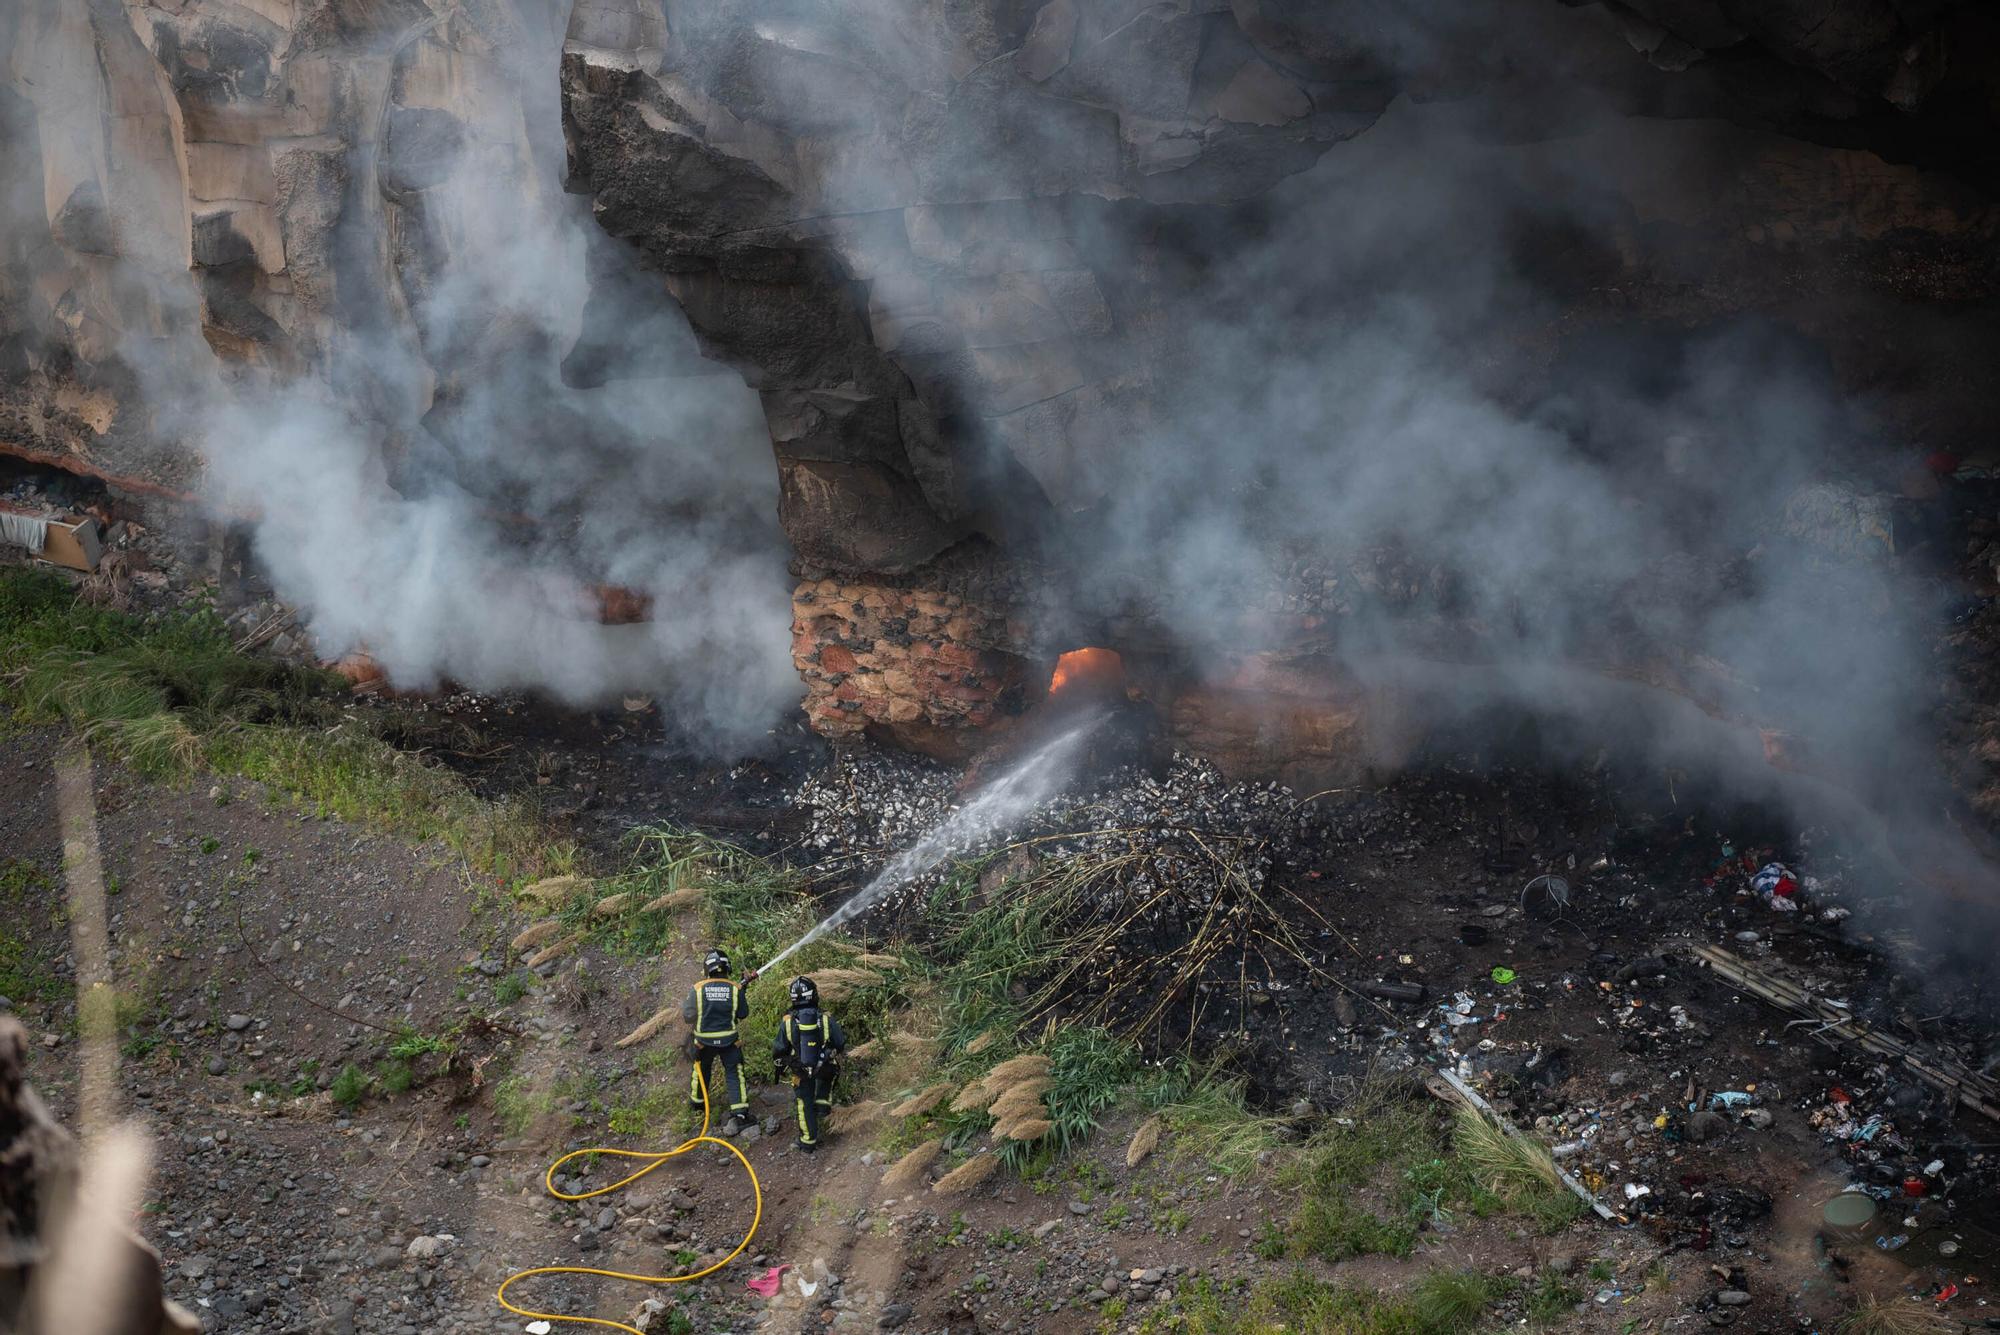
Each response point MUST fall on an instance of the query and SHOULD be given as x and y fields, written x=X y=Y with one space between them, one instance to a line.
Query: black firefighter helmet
x=804 y=993
x=717 y=964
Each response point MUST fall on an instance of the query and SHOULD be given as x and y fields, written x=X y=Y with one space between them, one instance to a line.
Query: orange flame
x=1095 y=666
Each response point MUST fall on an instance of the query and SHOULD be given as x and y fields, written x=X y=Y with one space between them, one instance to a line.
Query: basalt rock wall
x=199 y=191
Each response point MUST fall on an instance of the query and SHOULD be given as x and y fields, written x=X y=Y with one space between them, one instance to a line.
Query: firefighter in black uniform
x=808 y=1046
x=714 y=1008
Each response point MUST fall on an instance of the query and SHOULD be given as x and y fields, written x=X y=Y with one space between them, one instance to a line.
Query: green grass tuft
x=1890 y=1316
x=349 y=1087
x=1440 y=1303
x=1421 y=1168
x=169 y=694
x=1207 y=1109
x=1090 y=1069
x=1450 y=1299
x=1516 y=1169
x=1552 y=1299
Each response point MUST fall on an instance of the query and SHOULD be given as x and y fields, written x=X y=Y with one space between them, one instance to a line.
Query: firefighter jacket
x=715 y=1006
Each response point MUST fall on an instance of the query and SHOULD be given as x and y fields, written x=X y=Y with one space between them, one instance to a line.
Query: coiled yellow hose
x=652 y=1161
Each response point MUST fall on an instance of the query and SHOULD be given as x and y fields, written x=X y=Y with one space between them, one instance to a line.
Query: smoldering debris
x=869 y=803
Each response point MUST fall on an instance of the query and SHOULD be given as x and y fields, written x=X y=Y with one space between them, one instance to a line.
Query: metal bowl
x=1545 y=897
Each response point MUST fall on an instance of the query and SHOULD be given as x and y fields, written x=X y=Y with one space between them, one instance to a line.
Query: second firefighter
x=807 y=1046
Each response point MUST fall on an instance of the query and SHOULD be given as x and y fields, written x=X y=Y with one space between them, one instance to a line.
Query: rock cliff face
x=981 y=262
x=258 y=177
x=955 y=254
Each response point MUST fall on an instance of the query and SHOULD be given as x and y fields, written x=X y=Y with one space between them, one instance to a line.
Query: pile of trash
x=1165 y=878
x=1893 y=1156
x=1758 y=874
x=1199 y=826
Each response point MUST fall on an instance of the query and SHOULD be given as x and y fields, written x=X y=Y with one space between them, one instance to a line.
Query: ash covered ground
x=1716 y=1122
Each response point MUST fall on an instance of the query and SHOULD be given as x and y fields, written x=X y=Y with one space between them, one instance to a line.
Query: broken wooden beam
x=1838 y=1025
x=1492 y=1114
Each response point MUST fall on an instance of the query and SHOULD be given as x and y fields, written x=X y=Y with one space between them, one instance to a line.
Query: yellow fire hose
x=652 y=1161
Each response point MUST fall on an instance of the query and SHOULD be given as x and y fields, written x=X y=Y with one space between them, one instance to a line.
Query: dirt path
x=83 y=891
x=836 y=1241
x=260 y=954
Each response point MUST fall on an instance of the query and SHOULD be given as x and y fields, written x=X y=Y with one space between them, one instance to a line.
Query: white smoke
x=1411 y=368
x=500 y=412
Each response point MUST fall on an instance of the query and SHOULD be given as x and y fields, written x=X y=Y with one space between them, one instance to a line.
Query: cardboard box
x=72 y=542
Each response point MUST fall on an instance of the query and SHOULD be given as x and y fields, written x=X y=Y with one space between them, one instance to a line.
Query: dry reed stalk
x=967 y=1175
x=907 y=1173
x=1020 y=1101
x=685 y=897
x=865 y=1113
x=1144 y=1141
x=555 y=951
x=922 y=1101
x=610 y=905
x=536 y=934
x=1027 y=1066
x=652 y=1025
x=840 y=984
x=972 y=1096
x=1027 y=1128
x=873 y=961
x=552 y=892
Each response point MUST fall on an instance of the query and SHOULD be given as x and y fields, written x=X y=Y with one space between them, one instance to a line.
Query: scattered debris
x=1546 y=897
x=60 y=539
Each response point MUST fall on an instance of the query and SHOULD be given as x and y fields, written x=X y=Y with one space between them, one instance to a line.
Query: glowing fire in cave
x=1096 y=667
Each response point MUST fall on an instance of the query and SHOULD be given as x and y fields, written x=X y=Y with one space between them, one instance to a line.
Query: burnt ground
x=277 y=1210
x=599 y=773
x=1608 y=1032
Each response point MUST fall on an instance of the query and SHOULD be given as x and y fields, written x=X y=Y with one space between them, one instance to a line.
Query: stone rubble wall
x=927 y=668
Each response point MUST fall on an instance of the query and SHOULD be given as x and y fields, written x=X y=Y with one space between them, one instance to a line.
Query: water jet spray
x=1025 y=785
